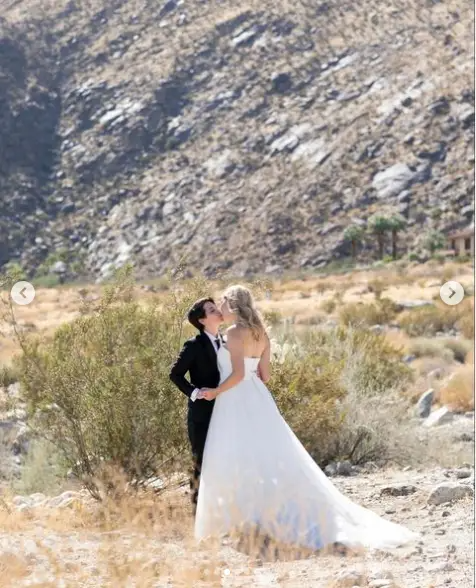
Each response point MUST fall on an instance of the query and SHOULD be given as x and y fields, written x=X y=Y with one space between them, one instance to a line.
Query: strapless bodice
x=225 y=367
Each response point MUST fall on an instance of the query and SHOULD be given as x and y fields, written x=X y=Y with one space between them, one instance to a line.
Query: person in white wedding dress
x=256 y=474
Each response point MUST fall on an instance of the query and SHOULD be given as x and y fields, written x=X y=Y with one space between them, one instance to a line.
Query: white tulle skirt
x=257 y=474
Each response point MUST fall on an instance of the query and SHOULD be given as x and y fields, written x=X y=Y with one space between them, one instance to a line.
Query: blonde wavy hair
x=241 y=303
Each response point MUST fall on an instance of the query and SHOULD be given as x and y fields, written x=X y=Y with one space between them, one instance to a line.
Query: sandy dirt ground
x=56 y=545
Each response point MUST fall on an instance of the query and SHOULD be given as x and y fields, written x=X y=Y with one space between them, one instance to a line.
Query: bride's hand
x=208 y=393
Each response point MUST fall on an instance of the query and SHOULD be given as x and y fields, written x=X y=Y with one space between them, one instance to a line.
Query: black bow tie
x=218 y=342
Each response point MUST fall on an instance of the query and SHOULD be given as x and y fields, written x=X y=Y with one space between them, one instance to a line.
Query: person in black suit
x=198 y=359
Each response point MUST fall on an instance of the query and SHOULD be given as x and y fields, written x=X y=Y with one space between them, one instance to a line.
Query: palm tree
x=379 y=225
x=354 y=234
x=397 y=223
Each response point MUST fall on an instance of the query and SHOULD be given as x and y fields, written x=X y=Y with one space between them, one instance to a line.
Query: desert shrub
x=465 y=322
x=427 y=320
x=458 y=347
x=431 y=319
x=423 y=347
x=448 y=349
x=272 y=317
x=161 y=284
x=458 y=393
x=306 y=392
x=322 y=380
x=372 y=365
x=328 y=306
x=43 y=470
x=422 y=321
x=352 y=313
x=377 y=287
x=9 y=374
x=322 y=287
x=100 y=390
x=449 y=272
x=375 y=428
x=378 y=313
x=310 y=320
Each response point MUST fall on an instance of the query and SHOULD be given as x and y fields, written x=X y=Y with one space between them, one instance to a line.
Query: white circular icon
x=452 y=293
x=22 y=293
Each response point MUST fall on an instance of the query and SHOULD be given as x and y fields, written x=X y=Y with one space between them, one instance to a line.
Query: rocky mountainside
x=243 y=138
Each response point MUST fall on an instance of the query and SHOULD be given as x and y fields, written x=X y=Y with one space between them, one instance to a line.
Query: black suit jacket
x=198 y=358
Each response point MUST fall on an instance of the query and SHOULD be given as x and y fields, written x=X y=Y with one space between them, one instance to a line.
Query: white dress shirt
x=213 y=339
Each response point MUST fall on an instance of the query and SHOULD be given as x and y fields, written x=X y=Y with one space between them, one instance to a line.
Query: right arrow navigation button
x=452 y=293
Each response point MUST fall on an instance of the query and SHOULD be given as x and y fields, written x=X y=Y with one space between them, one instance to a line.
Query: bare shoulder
x=235 y=333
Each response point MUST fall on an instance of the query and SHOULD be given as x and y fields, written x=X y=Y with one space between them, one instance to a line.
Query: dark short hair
x=197 y=312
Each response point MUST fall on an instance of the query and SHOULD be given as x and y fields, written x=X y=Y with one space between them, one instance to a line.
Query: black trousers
x=197 y=433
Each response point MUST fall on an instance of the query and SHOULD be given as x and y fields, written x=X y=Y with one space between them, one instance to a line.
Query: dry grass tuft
x=458 y=393
x=139 y=539
x=466 y=321
x=13 y=567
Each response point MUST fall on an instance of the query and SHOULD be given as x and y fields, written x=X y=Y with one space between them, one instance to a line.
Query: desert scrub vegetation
x=458 y=393
x=43 y=470
x=100 y=391
x=328 y=306
x=435 y=318
x=466 y=320
x=447 y=349
x=339 y=390
x=459 y=347
x=381 y=312
x=8 y=375
x=272 y=318
x=377 y=286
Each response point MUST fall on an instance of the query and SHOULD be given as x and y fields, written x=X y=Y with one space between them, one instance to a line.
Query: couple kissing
x=250 y=471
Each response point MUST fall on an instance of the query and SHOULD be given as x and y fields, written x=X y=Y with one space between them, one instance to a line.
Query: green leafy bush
x=306 y=390
x=100 y=390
